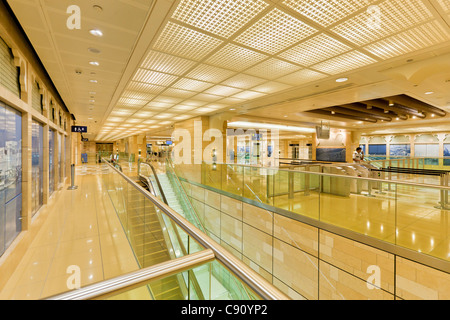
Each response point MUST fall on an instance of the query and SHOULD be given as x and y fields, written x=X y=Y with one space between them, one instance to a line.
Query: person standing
x=358 y=155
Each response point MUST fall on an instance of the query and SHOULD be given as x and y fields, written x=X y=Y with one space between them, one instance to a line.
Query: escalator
x=164 y=184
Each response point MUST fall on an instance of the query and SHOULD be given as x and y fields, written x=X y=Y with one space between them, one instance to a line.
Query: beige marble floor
x=81 y=229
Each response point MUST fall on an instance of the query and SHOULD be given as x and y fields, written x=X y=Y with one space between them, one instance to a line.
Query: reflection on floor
x=78 y=228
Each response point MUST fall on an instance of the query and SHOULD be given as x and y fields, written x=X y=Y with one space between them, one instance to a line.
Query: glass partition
x=409 y=214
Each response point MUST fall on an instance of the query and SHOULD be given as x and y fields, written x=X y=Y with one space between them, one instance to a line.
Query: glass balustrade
x=157 y=239
x=410 y=215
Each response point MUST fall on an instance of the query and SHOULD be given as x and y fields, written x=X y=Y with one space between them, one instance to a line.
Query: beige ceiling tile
x=424 y=36
x=326 y=12
x=145 y=88
x=143 y=114
x=191 y=85
x=153 y=77
x=248 y=95
x=271 y=87
x=131 y=102
x=274 y=32
x=272 y=69
x=167 y=63
x=243 y=81
x=138 y=95
x=169 y=100
x=346 y=62
x=209 y=73
x=182 y=108
x=301 y=77
x=220 y=17
x=223 y=90
x=164 y=116
x=184 y=42
x=315 y=50
x=394 y=16
x=178 y=93
x=229 y=101
x=235 y=57
x=206 y=97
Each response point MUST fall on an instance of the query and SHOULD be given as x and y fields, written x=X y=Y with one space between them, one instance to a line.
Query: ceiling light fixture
x=96 y=32
x=342 y=80
x=93 y=81
x=429 y=92
x=94 y=63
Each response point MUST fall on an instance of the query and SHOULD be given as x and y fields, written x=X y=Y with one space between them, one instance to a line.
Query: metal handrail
x=247 y=275
x=137 y=279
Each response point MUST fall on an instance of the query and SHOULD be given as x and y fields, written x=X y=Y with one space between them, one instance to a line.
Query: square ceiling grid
x=223 y=53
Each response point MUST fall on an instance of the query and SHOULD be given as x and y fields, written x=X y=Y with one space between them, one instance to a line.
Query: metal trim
x=137 y=279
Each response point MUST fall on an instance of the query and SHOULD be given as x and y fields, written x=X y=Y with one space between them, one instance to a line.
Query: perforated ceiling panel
x=184 y=42
x=272 y=69
x=315 y=50
x=418 y=38
x=391 y=17
x=344 y=63
x=226 y=57
x=221 y=17
x=327 y=12
x=162 y=62
x=274 y=32
x=211 y=55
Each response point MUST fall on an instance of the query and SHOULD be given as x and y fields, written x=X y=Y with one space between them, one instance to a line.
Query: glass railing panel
x=153 y=236
x=422 y=220
x=256 y=184
x=233 y=179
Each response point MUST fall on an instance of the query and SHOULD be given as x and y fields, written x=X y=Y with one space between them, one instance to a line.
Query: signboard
x=79 y=129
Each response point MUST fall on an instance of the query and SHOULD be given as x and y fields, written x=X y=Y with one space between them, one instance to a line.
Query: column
x=26 y=170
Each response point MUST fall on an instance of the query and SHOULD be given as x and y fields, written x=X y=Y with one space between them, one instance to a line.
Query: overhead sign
x=79 y=129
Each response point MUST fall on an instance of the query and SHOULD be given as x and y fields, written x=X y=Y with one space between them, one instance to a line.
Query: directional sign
x=79 y=129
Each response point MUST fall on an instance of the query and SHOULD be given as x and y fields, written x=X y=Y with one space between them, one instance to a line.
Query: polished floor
x=77 y=228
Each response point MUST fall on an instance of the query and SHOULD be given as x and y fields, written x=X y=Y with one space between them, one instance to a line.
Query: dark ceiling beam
x=375 y=111
x=321 y=112
x=360 y=114
x=399 y=109
x=420 y=106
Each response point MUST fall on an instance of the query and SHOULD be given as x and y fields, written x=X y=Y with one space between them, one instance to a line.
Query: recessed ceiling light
x=93 y=81
x=232 y=109
x=92 y=101
x=429 y=92
x=94 y=63
x=432 y=115
x=341 y=79
x=96 y=32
